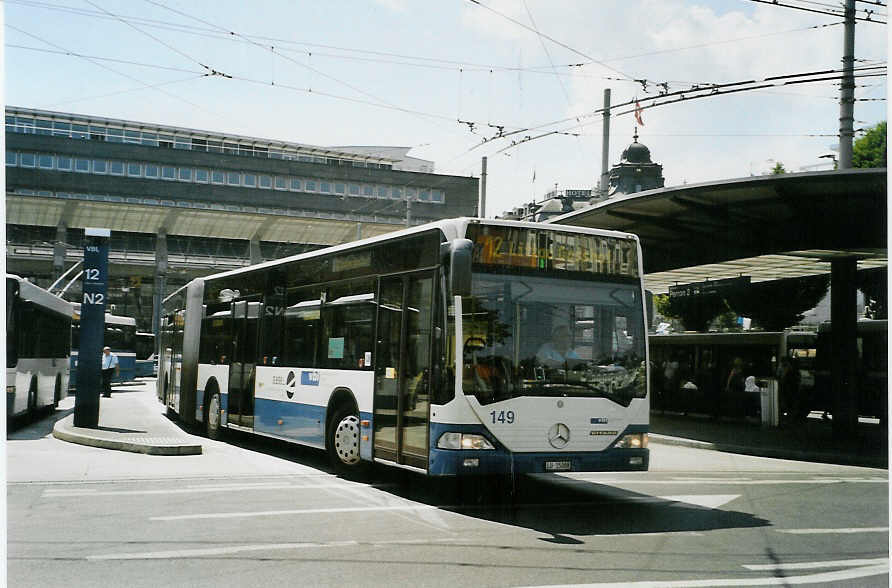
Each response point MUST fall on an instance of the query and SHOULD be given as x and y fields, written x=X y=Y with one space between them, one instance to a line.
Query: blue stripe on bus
x=301 y=422
x=500 y=461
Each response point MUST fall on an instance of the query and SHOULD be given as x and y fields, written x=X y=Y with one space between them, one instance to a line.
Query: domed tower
x=635 y=172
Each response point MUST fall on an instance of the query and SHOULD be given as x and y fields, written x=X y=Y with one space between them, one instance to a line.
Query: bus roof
x=38 y=295
x=453 y=228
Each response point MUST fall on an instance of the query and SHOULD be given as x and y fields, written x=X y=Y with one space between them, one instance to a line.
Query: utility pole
x=605 y=146
x=482 y=207
x=847 y=90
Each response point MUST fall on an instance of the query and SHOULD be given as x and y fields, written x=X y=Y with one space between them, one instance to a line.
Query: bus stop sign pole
x=92 y=328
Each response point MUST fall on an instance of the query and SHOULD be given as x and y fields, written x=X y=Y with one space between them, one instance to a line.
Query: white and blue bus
x=119 y=334
x=37 y=347
x=422 y=349
x=146 y=364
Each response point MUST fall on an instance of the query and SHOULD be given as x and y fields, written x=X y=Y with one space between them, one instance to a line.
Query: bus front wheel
x=343 y=440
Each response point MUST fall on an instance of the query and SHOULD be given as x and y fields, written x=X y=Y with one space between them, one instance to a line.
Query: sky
x=443 y=77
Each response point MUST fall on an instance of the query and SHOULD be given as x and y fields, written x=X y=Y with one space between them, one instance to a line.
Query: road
x=253 y=512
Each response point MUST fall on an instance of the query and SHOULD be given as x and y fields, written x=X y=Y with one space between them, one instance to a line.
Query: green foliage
x=778 y=169
x=870 y=150
x=777 y=305
x=695 y=312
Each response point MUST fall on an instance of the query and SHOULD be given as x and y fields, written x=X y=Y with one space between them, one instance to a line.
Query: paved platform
x=131 y=420
x=812 y=440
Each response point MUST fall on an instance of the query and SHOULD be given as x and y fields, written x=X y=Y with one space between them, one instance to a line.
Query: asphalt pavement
x=132 y=420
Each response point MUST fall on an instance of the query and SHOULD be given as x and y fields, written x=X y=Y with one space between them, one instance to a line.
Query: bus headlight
x=463 y=441
x=632 y=441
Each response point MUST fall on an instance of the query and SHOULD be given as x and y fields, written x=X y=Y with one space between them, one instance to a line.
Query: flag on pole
x=638 y=111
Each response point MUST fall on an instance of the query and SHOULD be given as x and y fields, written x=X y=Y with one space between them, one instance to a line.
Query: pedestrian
x=109 y=369
x=734 y=385
x=788 y=390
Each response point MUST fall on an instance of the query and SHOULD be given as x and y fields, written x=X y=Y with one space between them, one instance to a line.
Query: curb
x=812 y=456
x=65 y=430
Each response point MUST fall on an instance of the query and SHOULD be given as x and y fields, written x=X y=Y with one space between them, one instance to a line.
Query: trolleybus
x=422 y=349
x=37 y=347
x=146 y=365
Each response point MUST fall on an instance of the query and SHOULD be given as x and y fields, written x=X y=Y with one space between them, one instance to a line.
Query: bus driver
x=557 y=352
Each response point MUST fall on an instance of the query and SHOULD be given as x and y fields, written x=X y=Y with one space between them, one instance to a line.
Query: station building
x=181 y=202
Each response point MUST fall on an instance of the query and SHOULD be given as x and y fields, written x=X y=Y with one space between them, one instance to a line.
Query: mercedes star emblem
x=559 y=435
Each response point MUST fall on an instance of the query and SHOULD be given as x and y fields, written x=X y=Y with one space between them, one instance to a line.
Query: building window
x=217 y=176
x=280 y=183
x=250 y=180
x=340 y=188
x=100 y=166
x=182 y=143
x=438 y=196
x=114 y=135
x=396 y=193
x=424 y=195
x=185 y=174
x=295 y=184
x=368 y=191
x=116 y=167
x=411 y=193
x=150 y=139
x=63 y=162
x=132 y=137
x=151 y=170
x=215 y=146
x=29 y=160
x=12 y=158
x=79 y=131
x=230 y=148
x=233 y=178
x=168 y=172
x=202 y=176
x=310 y=185
x=45 y=161
x=165 y=141
x=383 y=192
x=81 y=165
x=354 y=189
x=61 y=129
x=325 y=187
x=266 y=181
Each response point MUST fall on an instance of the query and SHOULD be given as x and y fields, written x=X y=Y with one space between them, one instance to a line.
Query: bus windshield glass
x=546 y=336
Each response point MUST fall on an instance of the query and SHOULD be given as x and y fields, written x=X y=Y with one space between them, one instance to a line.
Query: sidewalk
x=131 y=420
x=812 y=440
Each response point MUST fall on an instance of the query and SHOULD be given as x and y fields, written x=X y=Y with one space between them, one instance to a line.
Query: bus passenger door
x=241 y=368
x=402 y=369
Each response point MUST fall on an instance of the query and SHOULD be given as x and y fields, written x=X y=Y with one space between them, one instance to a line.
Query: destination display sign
x=708 y=287
x=553 y=250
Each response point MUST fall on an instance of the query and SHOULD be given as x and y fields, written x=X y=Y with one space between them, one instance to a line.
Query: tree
x=695 y=312
x=779 y=304
x=870 y=150
x=778 y=169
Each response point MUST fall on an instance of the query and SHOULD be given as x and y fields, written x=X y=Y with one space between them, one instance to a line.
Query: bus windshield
x=546 y=336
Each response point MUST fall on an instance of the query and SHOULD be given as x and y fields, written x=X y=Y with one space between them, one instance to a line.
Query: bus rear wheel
x=343 y=440
x=212 y=419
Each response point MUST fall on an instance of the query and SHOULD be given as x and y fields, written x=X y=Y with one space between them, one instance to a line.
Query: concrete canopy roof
x=766 y=227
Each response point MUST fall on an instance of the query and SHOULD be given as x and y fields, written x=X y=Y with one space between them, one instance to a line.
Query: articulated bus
x=426 y=349
x=37 y=347
x=119 y=334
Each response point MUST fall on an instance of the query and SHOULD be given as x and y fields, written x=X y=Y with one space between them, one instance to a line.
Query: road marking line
x=739 y=482
x=848 y=530
x=705 y=500
x=269 y=513
x=814 y=565
x=828 y=577
x=191 y=490
x=233 y=549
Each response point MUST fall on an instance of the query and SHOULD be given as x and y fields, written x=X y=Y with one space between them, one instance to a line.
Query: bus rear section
x=120 y=335
x=37 y=347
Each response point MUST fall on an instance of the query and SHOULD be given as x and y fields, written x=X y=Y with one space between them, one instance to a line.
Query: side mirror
x=457 y=255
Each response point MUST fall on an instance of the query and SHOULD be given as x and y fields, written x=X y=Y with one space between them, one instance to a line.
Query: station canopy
x=764 y=227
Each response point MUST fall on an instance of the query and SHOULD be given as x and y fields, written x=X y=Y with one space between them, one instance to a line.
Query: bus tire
x=32 y=397
x=212 y=418
x=57 y=393
x=343 y=435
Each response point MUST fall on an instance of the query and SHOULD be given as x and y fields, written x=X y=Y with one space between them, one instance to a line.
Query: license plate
x=557 y=466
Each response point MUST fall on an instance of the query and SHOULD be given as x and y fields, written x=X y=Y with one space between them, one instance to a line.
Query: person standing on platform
x=109 y=369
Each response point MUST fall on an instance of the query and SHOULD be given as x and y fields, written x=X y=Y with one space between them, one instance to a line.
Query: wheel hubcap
x=214 y=413
x=346 y=440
